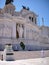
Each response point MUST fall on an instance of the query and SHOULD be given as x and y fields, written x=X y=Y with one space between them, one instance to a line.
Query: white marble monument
x=16 y=27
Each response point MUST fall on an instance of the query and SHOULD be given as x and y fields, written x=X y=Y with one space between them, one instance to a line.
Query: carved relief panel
x=5 y=30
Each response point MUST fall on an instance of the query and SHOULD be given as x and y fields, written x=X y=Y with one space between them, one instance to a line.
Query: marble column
x=25 y=31
x=14 y=30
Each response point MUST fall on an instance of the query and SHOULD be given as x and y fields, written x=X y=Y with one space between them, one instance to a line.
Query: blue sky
x=40 y=7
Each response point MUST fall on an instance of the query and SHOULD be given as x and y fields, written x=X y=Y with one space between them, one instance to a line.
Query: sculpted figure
x=20 y=30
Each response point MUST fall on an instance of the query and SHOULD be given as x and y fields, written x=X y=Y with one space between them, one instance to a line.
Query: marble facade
x=21 y=26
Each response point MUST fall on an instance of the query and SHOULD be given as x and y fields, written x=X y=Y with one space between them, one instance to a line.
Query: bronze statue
x=8 y=1
x=25 y=7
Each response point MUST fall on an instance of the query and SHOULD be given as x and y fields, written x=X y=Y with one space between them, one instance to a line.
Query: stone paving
x=36 y=61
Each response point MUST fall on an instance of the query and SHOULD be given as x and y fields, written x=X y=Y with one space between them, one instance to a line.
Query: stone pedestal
x=10 y=8
x=8 y=54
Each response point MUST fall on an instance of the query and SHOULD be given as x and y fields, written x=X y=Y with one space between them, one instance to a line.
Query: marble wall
x=5 y=30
